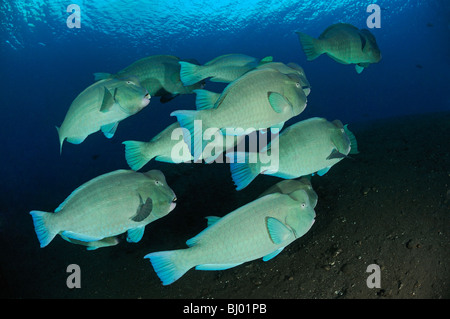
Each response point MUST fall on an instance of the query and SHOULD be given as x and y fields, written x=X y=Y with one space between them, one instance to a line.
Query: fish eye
x=130 y=82
x=158 y=183
x=297 y=84
x=303 y=205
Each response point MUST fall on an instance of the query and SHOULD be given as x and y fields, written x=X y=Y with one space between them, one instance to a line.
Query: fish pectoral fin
x=359 y=69
x=278 y=232
x=81 y=237
x=272 y=254
x=109 y=129
x=108 y=101
x=216 y=266
x=134 y=235
x=278 y=102
x=335 y=154
x=143 y=210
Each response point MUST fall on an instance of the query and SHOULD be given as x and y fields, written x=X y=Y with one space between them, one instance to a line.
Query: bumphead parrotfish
x=102 y=106
x=306 y=147
x=259 y=229
x=225 y=68
x=345 y=44
x=106 y=206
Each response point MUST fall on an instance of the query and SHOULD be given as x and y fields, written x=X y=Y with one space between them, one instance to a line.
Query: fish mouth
x=173 y=204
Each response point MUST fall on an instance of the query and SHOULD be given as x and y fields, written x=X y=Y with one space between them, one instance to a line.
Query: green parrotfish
x=260 y=99
x=345 y=44
x=259 y=229
x=225 y=68
x=102 y=106
x=106 y=206
x=159 y=75
x=304 y=148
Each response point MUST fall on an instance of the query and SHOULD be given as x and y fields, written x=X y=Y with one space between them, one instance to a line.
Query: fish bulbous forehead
x=131 y=78
x=156 y=175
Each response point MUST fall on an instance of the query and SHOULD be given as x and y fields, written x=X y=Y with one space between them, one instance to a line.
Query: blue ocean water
x=45 y=65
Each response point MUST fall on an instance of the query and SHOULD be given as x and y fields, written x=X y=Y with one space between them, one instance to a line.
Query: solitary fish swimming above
x=345 y=44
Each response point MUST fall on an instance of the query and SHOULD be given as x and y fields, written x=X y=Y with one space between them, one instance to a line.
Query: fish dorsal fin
x=134 y=235
x=205 y=99
x=193 y=241
x=108 y=100
x=88 y=184
x=211 y=220
x=143 y=210
x=278 y=102
x=337 y=25
x=278 y=232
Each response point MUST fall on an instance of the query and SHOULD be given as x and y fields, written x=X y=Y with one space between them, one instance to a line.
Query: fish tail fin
x=352 y=138
x=190 y=73
x=137 y=154
x=44 y=232
x=193 y=137
x=310 y=46
x=243 y=172
x=168 y=265
x=101 y=76
x=61 y=140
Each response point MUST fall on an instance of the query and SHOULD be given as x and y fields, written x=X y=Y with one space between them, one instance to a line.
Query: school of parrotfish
x=260 y=96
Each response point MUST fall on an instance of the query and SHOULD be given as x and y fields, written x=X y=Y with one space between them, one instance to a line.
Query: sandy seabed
x=389 y=206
